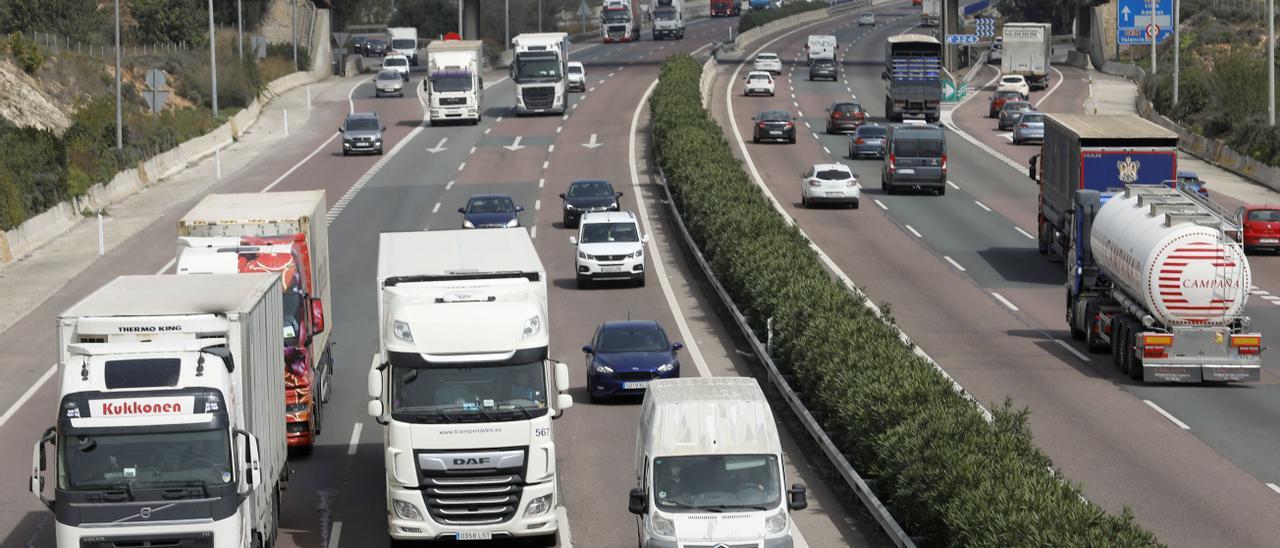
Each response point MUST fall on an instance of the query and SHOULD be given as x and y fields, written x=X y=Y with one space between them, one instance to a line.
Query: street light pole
x=539 y=15
x=213 y=60
x=293 y=22
x=507 y=44
x=1271 y=62
x=1151 y=27
x=240 y=29
x=119 y=122
x=1177 y=45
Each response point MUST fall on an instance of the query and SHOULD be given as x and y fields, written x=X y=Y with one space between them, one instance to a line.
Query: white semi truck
x=455 y=80
x=620 y=21
x=170 y=426
x=464 y=386
x=668 y=19
x=540 y=72
x=1027 y=51
x=403 y=41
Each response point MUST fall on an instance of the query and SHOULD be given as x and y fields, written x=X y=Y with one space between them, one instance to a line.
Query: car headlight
x=776 y=523
x=468 y=224
x=662 y=526
x=406 y=510
x=583 y=255
x=515 y=221
x=637 y=254
x=538 y=506
x=666 y=367
x=402 y=331
x=613 y=205
x=531 y=327
x=603 y=369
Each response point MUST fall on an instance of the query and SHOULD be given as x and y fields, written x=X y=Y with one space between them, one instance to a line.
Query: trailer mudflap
x=1194 y=373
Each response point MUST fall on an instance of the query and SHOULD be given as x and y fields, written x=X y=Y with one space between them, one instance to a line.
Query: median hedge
x=753 y=18
x=946 y=473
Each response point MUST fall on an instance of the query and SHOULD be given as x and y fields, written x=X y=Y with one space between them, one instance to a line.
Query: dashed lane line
x=1167 y=415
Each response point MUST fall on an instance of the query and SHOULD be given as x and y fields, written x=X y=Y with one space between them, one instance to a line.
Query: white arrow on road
x=514 y=146
x=439 y=146
x=1125 y=12
x=592 y=143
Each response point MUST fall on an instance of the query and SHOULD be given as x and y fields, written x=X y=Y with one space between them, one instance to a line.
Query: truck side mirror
x=375 y=384
x=317 y=316
x=374 y=409
x=562 y=377
x=637 y=503
x=796 y=497
x=563 y=401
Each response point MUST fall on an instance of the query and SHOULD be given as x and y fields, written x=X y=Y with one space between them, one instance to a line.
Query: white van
x=709 y=467
x=821 y=46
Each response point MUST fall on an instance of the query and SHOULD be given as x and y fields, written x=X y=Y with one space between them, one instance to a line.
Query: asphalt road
x=336 y=495
x=968 y=285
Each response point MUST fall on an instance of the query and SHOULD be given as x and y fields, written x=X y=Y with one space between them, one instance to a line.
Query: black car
x=823 y=68
x=588 y=196
x=375 y=48
x=358 y=44
x=774 y=125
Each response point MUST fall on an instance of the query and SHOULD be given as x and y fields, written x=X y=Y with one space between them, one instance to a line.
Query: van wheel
x=854 y=204
x=584 y=282
x=942 y=190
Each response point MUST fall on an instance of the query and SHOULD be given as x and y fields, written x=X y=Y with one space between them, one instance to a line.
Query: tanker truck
x=1156 y=279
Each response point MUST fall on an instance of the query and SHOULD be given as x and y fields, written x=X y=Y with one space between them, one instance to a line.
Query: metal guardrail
x=815 y=431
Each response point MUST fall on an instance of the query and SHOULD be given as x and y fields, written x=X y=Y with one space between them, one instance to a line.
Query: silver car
x=362 y=134
x=388 y=82
x=1029 y=127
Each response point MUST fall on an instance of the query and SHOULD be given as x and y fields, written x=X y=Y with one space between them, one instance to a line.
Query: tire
x=345 y=153
x=854 y=204
x=804 y=201
x=640 y=282
x=379 y=151
x=792 y=140
x=1135 y=363
x=942 y=190
x=1117 y=339
x=546 y=540
x=1092 y=341
x=1042 y=242
x=755 y=139
x=584 y=282
x=1073 y=322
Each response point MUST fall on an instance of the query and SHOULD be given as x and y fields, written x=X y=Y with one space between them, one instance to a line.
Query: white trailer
x=464 y=386
x=540 y=72
x=668 y=19
x=455 y=80
x=820 y=46
x=403 y=41
x=1027 y=51
x=931 y=13
x=170 y=426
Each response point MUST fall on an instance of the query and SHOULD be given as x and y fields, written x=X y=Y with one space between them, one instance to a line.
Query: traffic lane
x=993 y=353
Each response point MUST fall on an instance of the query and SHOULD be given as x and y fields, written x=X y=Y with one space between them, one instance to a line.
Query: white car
x=398 y=63
x=1014 y=82
x=867 y=19
x=610 y=247
x=830 y=183
x=577 y=76
x=768 y=62
x=758 y=82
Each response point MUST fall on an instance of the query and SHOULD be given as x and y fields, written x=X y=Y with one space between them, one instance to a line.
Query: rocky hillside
x=24 y=103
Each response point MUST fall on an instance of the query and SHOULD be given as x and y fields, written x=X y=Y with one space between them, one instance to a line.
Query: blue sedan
x=626 y=355
x=490 y=211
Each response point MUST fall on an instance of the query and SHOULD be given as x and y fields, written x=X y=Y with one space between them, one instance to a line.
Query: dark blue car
x=490 y=211
x=626 y=355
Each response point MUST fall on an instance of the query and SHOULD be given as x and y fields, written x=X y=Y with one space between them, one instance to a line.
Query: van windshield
x=717 y=482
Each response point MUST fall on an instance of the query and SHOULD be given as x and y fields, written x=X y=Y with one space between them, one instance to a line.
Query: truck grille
x=473 y=500
x=540 y=97
x=200 y=540
x=453 y=101
x=617 y=33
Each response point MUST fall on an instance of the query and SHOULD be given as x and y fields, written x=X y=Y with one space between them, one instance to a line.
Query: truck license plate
x=475 y=535
x=634 y=385
x=613 y=268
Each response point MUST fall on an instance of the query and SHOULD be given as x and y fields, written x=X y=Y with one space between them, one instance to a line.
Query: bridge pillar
x=469 y=20
x=950 y=25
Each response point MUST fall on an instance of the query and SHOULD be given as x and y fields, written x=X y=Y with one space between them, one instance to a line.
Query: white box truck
x=464 y=386
x=931 y=13
x=820 y=46
x=708 y=467
x=286 y=233
x=668 y=19
x=455 y=81
x=1026 y=51
x=170 y=426
x=403 y=41
x=539 y=72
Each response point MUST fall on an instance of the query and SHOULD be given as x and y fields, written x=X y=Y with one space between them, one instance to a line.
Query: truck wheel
x=1042 y=243
x=1073 y=322
x=1135 y=361
x=1092 y=341
x=942 y=190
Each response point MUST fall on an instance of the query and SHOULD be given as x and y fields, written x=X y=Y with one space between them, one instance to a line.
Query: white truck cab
x=708 y=467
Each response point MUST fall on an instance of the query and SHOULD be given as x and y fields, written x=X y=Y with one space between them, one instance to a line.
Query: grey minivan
x=362 y=134
x=915 y=158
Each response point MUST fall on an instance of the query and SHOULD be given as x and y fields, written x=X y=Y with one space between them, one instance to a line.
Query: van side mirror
x=617 y=194
x=341 y=130
x=461 y=210
x=573 y=240
x=677 y=347
x=797 y=498
x=317 y=316
x=638 y=502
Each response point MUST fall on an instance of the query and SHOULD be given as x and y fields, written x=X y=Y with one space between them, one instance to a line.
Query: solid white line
x=1259 y=292
x=1166 y=414
x=658 y=266
x=462 y=166
x=166 y=266
x=953 y=262
x=1072 y=350
x=913 y=230
x=299 y=164
x=1270 y=297
x=436 y=209
x=1052 y=88
x=545 y=163
x=982 y=205
x=881 y=204
x=537 y=204
x=355 y=438
x=953 y=185
x=563 y=538
x=1023 y=232
x=1274 y=487
x=1004 y=301
x=449 y=185
x=336 y=532
x=31 y=391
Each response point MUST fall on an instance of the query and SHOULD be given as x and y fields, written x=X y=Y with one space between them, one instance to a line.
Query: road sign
x=155 y=93
x=583 y=10
x=952 y=92
x=984 y=26
x=1134 y=20
x=962 y=39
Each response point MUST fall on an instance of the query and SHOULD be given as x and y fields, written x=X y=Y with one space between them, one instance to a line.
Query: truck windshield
x=716 y=482
x=465 y=392
x=451 y=82
x=119 y=461
x=665 y=14
x=541 y=67
x=617 y=16
x=403 y=43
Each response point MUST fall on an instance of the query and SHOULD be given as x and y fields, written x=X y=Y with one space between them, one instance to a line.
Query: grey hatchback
x=915 y=157
x=362 y=134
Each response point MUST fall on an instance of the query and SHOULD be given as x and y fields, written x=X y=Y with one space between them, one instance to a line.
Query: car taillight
x=815 y=182
x=859 y=141
x=1023 y=126
x=851 y=182
x=1156 y=345
x=1248 y=345
x=892 y=162
x=944 y=162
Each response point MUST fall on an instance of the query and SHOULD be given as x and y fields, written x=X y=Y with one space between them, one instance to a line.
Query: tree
x=168 y=21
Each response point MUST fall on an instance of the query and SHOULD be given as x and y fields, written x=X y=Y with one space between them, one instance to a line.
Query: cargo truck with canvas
x=170 y=415
x=540 y=72
x=285 y=233
x=913 y=77
x=465 y=388
x=1027 y=52
x=455 y=81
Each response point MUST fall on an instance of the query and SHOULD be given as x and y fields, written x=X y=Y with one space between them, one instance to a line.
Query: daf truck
x=913 y=77
x=285 y=233
x=403 y=41
x=465 y=387
x=170 y=415
x=1157 y=281
x=668 y=19
x=455 y=81
x=620 y=21
x=1103 y=153
x=539 y=72
x=1027 y=52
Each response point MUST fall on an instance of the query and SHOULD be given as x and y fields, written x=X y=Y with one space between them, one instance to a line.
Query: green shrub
x=11 y=211
x=25 y=52
x=947 y=473
x=36 y=162
x=284 y=50
x=754 y=18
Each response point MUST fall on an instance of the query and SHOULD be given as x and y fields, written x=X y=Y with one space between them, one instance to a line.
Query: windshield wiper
x=128 y=491
x=421 y=413
x=204 y=487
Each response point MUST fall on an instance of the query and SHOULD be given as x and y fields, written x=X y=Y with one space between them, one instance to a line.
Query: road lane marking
x=449 y=185
x=1052 y=88
x=1072 y=350
x=487 y=130
x=824 y=149
x=913 y=230
x=336 y=532
x=563 y=538
x=559 y=129
x=610 y=75
x=881 y=204
x=593 y=88
x=800 y=112
x=953 y=185
x=1004 y=301
x=551 y=148
x=565 y=117
x=537 y=204
x=473 y=150
x=533 y=232
x=436 y=209
x=982 y=205
x=1259 y=292
x=355 y=436
x=542 y=182
x=1167 y=415
x=953 y=262
x=462 y=166
x=31 y=391
x=545 y=163
x=166 y=266
x=1274 y=487
x=1024 y=233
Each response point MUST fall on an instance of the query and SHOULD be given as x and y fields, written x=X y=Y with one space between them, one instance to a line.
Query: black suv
x=588 y=196
x=774 y=125
x=823 y=68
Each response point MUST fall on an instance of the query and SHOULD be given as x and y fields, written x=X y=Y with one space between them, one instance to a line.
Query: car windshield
x=774 y=116
x=1265 y=215
x=1031 y=119
x=117 y=461
x=403 y=43
x=1013 y=106
x=847 y=107
x=595 y=233
x=388 y=75
x=643 y=339
x=395 y=62
x=833 y=175
x=594 y=189
x=872 y=131
x=716 y=482
x=376 y=43
x=766 y=57
x=451 y=81
x=917 y=148
x=468 y=392
x=362 y=124
x=490 y=205
x=575 y=69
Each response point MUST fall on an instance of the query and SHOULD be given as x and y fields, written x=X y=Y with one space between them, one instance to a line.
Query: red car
x=1261 y=227
x=999 y=99
x=917 y=2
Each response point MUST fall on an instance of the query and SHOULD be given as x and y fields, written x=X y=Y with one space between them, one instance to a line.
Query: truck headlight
x=531 y=327
x=666 y=367
x=406 y=510
x=538 y=506
x=514 y=222
x=662 y=526
x=776 y=523
x=402 y=331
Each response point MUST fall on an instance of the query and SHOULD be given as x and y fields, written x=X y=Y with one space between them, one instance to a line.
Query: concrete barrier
x=707 y=81
x=1214 y=151
x=1078 y=59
